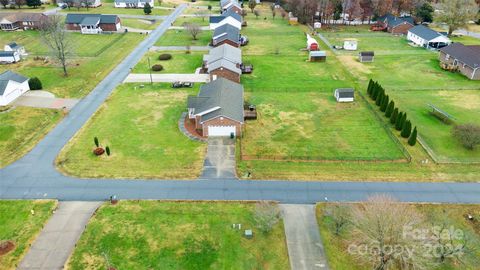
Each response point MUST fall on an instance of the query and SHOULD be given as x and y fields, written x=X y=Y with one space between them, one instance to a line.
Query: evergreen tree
x=385 y=101
x=389 y=110
x=413 y=137
x=95 y=140
x=369 y=88
x=398 y=122
x=407 y=129
x=107 y=149
x=375 y=90
x=147 y=9
x=34 y=3
x=379 y=99
x=393 y=118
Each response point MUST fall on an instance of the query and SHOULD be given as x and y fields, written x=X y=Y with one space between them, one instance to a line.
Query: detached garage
x=12 y=86
x=218 y=109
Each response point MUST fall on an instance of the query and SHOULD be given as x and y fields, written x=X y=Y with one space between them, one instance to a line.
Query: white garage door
x=221 y=130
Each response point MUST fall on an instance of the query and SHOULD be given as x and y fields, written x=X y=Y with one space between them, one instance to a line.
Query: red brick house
x=93 y=23
x=217 y=110
x=465 y=59
x=223 y=68
x=21 y=20
x=395 y=25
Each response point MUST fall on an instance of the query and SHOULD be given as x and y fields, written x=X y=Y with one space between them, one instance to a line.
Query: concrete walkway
x=58 y=238
x=305 y=247
x=45 y=102
x=181 y=127
x=220 y=159
x=180 y=48
x=203 y=28
x=145 y=78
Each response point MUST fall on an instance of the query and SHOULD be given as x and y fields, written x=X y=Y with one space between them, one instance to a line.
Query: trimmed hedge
x=165 y=56
x=35 y=84
x=157 y=67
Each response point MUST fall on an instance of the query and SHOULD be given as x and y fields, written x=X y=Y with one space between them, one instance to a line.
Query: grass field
x=108 y=7
x=140 y=24
x=140 y=127
x=202 y=21
x=183 y=38
x=180 y=62
x=340 y=259
x=21 y=128
x=20 y=226
x=177 y=235
x=316 y=128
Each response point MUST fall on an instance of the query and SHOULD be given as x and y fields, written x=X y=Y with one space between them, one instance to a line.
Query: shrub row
x=397 y=118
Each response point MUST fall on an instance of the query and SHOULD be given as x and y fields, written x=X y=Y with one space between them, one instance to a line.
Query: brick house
x=217 y=110
x=21 y=20
x=465 y=59
x=226 y=34
x=232 y=19
x=225 y=51
x=232 y=6
x=93 y=23
x=223 y=68
x=395 y=25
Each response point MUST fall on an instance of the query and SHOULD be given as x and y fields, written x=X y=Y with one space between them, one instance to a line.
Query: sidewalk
x=58 y=238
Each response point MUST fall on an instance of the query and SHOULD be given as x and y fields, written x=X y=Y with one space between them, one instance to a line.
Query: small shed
x=317 y=25
x=312 y=44
x=14 y=47
x=293 y=20
x=366 y=57
x=344 y=94
x=9 y=57
x=317 y=56
x=350 y=45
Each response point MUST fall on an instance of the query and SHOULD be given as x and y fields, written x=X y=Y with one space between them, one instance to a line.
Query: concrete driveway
x=180 y=48
x=43 y=99
x=220 y=159
x=145 y=78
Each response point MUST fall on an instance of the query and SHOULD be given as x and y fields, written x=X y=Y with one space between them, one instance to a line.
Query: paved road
x=56 y=241
x=305 y=247
x=34 y=175
x=180 y=48
x=220 y=159
x=145 y=78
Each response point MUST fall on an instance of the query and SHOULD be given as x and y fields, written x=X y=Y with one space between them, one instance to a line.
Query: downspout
x=474 y=71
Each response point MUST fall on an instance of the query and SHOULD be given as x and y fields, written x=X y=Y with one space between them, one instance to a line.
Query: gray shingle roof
x=13 y=45
x=424 y=32
x=7 y=76
x=78 y=18
x=470 y=55
x=90 y=21
x=226 y=32
x=231 y=13
x=221 y=93
x=224 y=63
x=345 y=92
x=227 y=52
x=7 y=54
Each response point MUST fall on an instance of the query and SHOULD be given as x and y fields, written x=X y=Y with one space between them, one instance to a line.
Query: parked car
x=246 y=68
x=182 y=84
x=243 y=40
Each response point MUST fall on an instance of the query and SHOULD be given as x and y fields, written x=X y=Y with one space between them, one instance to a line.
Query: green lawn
x=21 y=128
x=140 y=127
x=177 y=235
x=340 y=259
x=19 y=225
x=180 y=62
x=196 y=20
x=140 y=24
x=183 y=38
x=108 y=7
x=312 y=125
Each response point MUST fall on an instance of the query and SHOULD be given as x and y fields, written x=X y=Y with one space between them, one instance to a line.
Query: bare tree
x=194 y=29
x=202 y=13
x=244 y=14
x=252 y=4
x=379 y=225
x=340 y=215
x=354 y=9
x=257 y=13
x=20 y=3
x=57 y=39
x=456 y=13
x=467 y=134
x=266 y=216
x=274 y=10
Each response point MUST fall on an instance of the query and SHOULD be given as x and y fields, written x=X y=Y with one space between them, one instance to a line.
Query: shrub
x=369 y=88
x=95 y=140
x=98 y=151
x=468 y=135
x=107 y=149
x=389 y=110
x=165 y=56
x=35 y=84
x=384 y=105
x=379 y=99
x=413 y=137
x=398 y=122
x=157 y=67
x=407 y=129
x=393 y=118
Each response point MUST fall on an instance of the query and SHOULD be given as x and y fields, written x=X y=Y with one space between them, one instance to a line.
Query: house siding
x=464 y=69
x=73 y=27
x=400 y=29
x=227 y=41
x=222 y=121
x=227 y=74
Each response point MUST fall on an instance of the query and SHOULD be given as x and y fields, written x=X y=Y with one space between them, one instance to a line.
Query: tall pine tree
x=389 y=110
x=384 y=105
x=393 y=118
x=407 y=129
x=379 y=99
x=369 y=88
x=398 y=122
x=413 y=137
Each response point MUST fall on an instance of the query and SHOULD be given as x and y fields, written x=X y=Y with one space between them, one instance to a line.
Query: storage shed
x=366 y=57
x=350 y=45
x=344 y=94
x=317 y=56
x=312 y=44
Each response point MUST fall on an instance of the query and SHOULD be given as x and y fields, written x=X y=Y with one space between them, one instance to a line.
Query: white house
x=12 y=85
x=9 y=57
x=14 y=47
x=217 y=22
x=344 y=95
x=81 y=3
x=133 y=3
x=427 y=38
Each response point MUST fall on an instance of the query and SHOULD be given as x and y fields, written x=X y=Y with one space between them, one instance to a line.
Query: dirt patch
x=6 y=247
x=462 y=99
x=355 y=67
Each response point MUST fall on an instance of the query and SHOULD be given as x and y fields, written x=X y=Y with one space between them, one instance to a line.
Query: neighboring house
x=465 y=59
x=218 y=109
x=232 y=6
x=224 y=69
x=226 y=34
x=217 y=21
x=344 y=95
x=80 y=3
x=14 y=47
x=427 y=38
x=12 y=85
x=224 y=51
x=93 y=23
x=9 y=57
x=395 y=25
x=317 y=56
x=366 y=57
x=21 y=20
x=133 y=3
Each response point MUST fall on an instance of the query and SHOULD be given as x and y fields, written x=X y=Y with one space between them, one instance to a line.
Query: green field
x=108 y=7
x=316 y=128
x=183 y=38
x=21 y=128
x=19 y=225
x=340 y=259
x=181 y=20
x=140 y=127
x=140 y=24
x=180 y=62
x=177 y=235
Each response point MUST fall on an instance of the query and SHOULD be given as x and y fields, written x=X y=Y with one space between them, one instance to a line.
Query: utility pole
x=150 y=70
